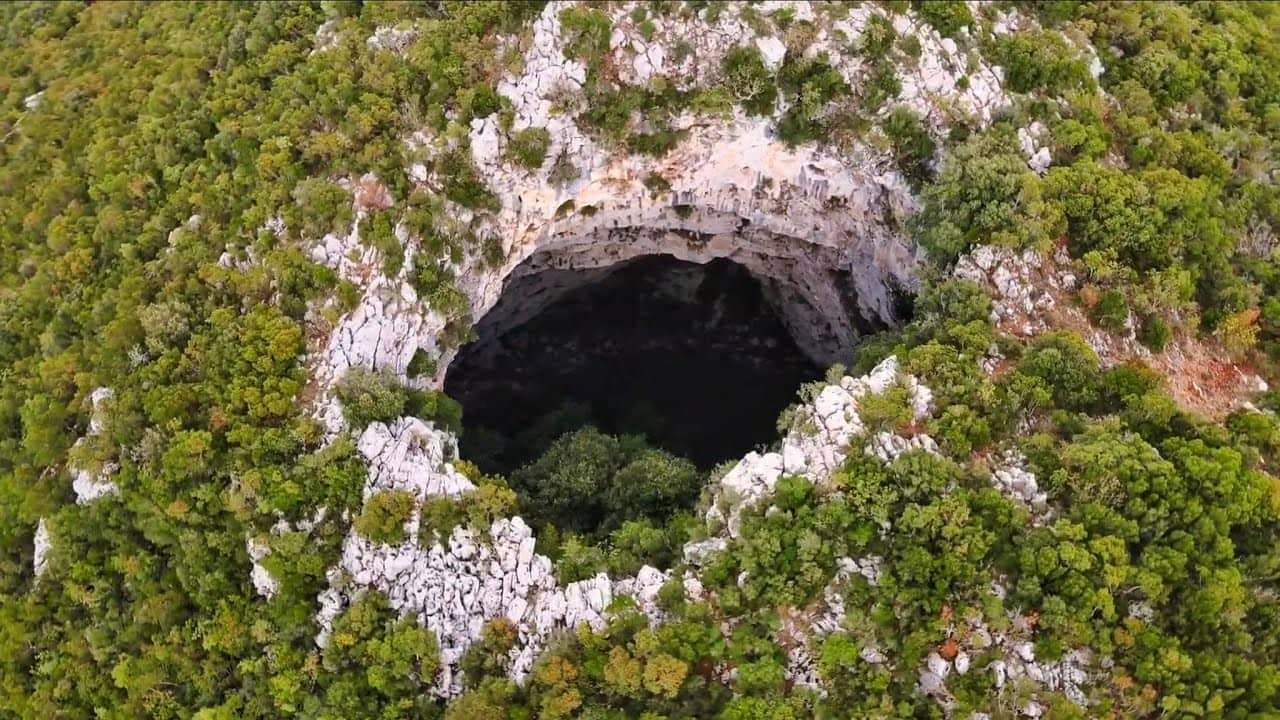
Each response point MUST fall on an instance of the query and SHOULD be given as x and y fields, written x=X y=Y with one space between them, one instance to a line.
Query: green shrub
x=434 y=406
x=378 y=231
x=324 y=208
x=911 y=144
x=422 y=364
x=878 y=38
x=948 y=17
x=462 y=183
x=656 y=184
x=960 y=430
x=810 y=87
x=434 y=282
x=985 y=194
x=384 y=515
x=370 y=396
x=1041 y=62
x=881 y=86
x=1155 y=333
x=528 y=147
x=587 y=481
x=1067 y=365
x=749 y=82
x=655 y=144
x=890 y=410
x=1111 y=311
x=586 y=34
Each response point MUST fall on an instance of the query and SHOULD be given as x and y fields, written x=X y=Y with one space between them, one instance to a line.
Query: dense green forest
x=121 y=123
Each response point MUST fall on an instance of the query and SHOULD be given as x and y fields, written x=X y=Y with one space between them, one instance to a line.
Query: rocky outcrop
x=42 y=544
x=1013 y=479
x=263 y=582
x=410 y=454
x=822 y=435
x=1031 y=140
x=1015 y=666
x=90 y=484
x=1020 y=284
x=822 y=229
x=457 y=586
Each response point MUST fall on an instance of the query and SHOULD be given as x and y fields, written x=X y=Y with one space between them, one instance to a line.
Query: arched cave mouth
x=695 y=357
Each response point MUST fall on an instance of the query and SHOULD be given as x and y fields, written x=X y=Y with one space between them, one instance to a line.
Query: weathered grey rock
x=42 y=544
x=263 y=582
x=410 y=455
x=91 y=484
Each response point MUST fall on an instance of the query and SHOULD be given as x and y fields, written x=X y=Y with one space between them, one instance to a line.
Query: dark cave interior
x=694 y=357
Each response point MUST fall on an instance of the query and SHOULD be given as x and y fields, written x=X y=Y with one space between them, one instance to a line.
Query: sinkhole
x=698 y=358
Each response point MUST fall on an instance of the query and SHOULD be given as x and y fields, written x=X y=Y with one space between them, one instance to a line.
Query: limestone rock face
x=409 y=455
x=822 y=226
x=42 y=544
x=90 y=484
x=1021 y=295
x=262 y=580
x=1012 y=478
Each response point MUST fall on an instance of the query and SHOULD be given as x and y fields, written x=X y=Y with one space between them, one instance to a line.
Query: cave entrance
x=693 y=356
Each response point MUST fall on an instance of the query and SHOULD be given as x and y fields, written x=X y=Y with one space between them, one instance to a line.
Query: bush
x=370 y=396
x=810 y=87
x=948 y=17
x=462 y=183
x=1041 y=61
x=1068 y=366
x=984 y=194
x=434 y=406
x=1155 y=333
x=324 y=208
x=528 y=147
x=888 y=411
x=379 y=232
x=744 y=75
x=422 y=364
x=384 y=515
x=587 y=481
x=960 y=430
x=586 y=34
x=1111 y=311
x=911 y=144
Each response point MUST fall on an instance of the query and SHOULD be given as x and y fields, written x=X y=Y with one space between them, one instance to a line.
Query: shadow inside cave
x=694 y=357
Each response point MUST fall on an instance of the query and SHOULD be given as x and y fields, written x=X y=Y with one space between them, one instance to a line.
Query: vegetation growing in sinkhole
x=150 y=114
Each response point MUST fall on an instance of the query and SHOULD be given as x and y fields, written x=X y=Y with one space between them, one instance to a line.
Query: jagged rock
x=42 y=544
x=91 y=484
x=822 y=229
x=1015 y=480
x=1039 y=157
x=1019 y=287
x=772 y=51
x=887 y=447
x=411 y=455
x=391 y=39
x=263 y=582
